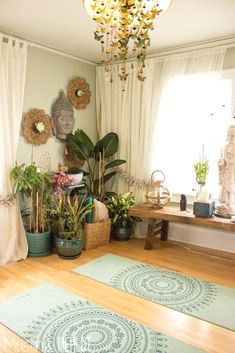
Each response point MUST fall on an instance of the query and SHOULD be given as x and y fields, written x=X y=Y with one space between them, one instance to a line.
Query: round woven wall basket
x=79 y=93
x=36 y=127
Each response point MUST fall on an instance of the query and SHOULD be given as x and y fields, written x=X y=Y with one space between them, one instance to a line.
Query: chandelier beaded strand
x=122 y=21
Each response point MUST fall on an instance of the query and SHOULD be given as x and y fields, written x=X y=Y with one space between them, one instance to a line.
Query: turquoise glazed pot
x=39 y=243
x=122 y=233
x=69 y=249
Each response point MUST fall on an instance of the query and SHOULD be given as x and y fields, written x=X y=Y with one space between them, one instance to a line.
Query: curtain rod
x=226 y=42
x=51 y=50
x=59 y=52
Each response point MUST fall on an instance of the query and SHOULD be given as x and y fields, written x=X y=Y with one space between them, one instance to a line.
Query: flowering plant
x=59 y=180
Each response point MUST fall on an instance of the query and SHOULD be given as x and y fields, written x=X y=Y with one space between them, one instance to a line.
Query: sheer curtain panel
x=13 y=58
x=189 y=94
x=129 y=114
x=135 y=113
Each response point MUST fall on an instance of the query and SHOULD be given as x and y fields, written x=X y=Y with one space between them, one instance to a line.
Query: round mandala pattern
x=85 y=328
x=165 y=287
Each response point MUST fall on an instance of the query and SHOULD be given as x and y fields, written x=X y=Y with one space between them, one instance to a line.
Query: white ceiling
x=65 y=26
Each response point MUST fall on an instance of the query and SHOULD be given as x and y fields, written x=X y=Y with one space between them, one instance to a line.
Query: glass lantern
x=157 y=195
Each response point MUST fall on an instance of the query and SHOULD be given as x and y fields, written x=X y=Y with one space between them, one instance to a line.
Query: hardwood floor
x=16 y=277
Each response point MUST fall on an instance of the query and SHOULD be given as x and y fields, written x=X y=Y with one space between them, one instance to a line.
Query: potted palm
x=122 y=222
x=35 y=186
x=69 y=213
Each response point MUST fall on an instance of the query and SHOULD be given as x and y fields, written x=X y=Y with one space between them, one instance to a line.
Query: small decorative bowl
x=77 y=178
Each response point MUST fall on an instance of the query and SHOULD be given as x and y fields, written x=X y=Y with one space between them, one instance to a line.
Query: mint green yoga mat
x=57 y=321
x=205 y=300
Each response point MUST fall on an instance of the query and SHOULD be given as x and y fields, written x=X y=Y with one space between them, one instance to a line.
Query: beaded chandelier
x=120 y=22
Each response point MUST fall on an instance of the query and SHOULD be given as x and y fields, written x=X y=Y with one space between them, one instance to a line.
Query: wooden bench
x=159 y=221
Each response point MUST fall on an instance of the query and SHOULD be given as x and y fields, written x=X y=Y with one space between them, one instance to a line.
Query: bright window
x=194 y=115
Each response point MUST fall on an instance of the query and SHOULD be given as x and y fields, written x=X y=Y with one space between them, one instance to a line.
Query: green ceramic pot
x=122 y=233
x=69 y=249
x=39 y=243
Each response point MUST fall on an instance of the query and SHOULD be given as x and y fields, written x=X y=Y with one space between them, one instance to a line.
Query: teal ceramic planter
x=39 y=244
x=69 y=249
x=122 y=233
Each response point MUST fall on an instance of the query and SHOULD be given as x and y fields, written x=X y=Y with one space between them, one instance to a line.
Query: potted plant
x=69 y=213
x=29 y=182
x=122 y=222
x=99 y=159
x=201 y=170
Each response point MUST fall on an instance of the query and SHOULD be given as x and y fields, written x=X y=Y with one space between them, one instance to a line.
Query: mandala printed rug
x=56 y=321
x=202 y=299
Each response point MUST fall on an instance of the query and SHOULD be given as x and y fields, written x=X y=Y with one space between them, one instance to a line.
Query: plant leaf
x=109 y=176
x=78 y=147
x=75 y=170
x=115 y=163
x=82 y=137
x=108 y=144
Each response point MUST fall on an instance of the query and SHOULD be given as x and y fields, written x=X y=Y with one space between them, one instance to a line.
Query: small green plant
x=69 y=214
x=201 y=170
x=118 y=206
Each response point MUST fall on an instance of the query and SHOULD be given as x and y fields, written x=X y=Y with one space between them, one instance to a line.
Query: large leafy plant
x=29 y=182
x=99 y=158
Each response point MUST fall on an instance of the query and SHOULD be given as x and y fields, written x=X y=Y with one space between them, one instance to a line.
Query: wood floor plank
x=220 y=268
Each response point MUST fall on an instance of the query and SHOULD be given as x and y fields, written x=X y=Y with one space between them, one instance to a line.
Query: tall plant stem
x=37 y=204
x=91 y=177
x=101 y=172
x=31 y=212
x=42 y=210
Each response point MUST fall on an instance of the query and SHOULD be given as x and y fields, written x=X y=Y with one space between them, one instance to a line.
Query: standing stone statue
x=62 y=117
x=183 y=203
x=226 y=166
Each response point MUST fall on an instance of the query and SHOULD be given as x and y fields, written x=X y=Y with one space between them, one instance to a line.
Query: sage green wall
x=48 y=73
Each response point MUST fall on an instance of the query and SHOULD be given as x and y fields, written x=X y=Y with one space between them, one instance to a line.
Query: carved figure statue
x=62 y=117
x=226 y=166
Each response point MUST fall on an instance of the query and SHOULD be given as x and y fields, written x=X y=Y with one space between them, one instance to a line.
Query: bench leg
x=150 y=234
x=164 y=231
x=153 y=230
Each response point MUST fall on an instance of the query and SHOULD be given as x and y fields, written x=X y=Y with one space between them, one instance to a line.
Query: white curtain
x=133 y=114
x=129 y=114
x=13 y=58
x=189 y=95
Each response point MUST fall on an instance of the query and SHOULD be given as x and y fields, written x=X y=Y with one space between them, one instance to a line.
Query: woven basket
x=96 y=234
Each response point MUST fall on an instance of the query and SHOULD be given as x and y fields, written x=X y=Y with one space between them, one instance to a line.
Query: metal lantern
x=156 y=194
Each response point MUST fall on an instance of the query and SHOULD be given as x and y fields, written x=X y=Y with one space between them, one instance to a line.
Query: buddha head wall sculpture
x=62 y=117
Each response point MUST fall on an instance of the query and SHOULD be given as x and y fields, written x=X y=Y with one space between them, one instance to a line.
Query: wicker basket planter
x=96 y=234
